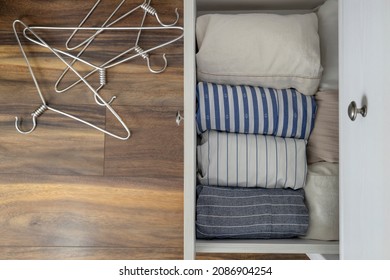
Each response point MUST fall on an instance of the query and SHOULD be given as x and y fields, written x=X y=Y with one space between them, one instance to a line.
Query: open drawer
x=192 y=245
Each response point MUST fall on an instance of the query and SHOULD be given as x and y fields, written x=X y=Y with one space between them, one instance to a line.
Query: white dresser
x=364 y=47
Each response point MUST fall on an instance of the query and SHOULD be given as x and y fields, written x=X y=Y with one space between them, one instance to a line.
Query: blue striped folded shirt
x=250 y=213
x=247 y=109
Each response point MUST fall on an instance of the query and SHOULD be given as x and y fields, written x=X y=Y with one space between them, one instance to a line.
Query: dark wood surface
x=68 y=191
x=90 y=211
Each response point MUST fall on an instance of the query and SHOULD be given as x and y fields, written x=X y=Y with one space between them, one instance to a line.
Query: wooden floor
x=68 y=191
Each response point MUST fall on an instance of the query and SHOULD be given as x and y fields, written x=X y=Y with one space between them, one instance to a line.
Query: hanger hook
x=172 y=24
x=152 y=11
x=34 y=121
x=160 y=70
x=34 y=116
x=145 y=55
x=103 y=81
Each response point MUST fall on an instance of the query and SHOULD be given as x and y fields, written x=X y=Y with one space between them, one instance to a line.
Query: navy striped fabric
x=257 y=110
x=251 y=160
x=250 y=213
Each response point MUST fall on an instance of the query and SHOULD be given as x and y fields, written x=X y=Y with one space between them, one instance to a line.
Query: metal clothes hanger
x=102 y=71
x=148 y=10
x=141 y=52
x=87 y=42
x=110 y=63
x=152 y=11
x=145 y=6
x=45 y=106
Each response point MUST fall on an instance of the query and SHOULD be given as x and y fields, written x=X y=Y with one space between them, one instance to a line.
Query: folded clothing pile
x=252 y=161
x=256 y=110
x=250 y=213
x=254 y=137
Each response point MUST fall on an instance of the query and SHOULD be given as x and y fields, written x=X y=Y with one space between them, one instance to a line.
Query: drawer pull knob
x=353 y=111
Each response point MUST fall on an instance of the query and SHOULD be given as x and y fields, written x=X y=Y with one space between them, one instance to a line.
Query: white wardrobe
x=364 y=67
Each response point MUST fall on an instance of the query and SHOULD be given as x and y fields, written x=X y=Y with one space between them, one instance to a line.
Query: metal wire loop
x=141 y=52
x=102 y=76
x=38 y=112
x=103 y=82
x=145 y=55
x=152 y=11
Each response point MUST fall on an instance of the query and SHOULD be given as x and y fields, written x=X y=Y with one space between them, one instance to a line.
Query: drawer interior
x=193 y=245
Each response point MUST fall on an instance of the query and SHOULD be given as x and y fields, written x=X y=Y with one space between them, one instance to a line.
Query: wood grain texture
x=154 y=149
x=89 y=253
x=40 y=211
x=133 y=84
x=56 y=200
x=59 y=145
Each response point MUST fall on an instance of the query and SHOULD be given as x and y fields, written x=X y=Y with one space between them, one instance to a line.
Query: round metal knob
x=353 y=111
x=179 y=118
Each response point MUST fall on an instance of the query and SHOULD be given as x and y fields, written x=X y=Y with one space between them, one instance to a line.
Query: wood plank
x=78 y=211
x=132 y=84
x=59 y=145
x=155 y=149
x=108 y=43
x=89 y=253
x=90 y=217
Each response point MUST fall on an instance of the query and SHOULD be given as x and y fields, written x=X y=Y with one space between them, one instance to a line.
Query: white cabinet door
x=364 y=143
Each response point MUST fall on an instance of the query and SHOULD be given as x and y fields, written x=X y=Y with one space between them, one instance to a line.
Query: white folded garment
x=248 y=160
x=268 y=50
x=322 y=200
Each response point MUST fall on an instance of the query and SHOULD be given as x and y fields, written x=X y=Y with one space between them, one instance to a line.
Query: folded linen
x=250 y=213
x=259 y=49
x=323 y=144
x=247 y=109
x=322 y=201
x=250 y=160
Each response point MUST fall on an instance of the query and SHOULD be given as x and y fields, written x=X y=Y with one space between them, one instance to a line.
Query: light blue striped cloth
x=250 y=213
x=251 y=160
x=247 y=109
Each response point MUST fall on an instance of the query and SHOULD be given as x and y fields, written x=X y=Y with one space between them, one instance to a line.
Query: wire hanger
x=152 y=11
x=110 y=63
x=145 y=6
x=147 y=10
x=44 y=106
x=102 y=71
x=140 y=50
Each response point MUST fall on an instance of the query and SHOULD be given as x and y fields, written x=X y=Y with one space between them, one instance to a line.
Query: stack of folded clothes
x=267 y=107
x=257 y=106
x=252 y=161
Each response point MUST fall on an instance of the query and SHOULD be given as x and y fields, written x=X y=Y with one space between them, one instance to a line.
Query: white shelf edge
x=189 y=130
x=273 y=246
